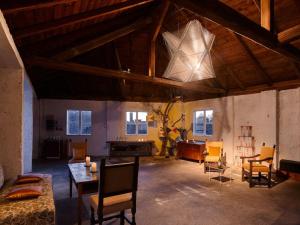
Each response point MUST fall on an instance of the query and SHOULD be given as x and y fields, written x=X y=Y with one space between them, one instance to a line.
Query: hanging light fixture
x=190 y=53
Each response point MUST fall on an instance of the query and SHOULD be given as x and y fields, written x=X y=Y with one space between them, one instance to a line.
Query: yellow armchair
x=213 y=153
x=259 y=165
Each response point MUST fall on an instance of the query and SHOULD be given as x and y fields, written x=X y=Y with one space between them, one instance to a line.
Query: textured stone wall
x=11 y=88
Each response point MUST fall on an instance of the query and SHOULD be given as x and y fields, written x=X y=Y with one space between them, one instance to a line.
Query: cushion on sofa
x=1 y=176
x=28 y=178
x=24 y=193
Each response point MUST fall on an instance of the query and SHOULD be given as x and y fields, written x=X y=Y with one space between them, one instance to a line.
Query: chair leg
x=122 y=218
x=133 y=211
x=100 y=219
x=92 y=219
x=243 y=174
x=259 y=177
x=269 y=179
x=204 y=167
x=250 y=180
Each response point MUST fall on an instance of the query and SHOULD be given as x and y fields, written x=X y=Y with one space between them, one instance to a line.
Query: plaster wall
x=28 y=99
x=116 y=117
x=11 y=88
x=9 y=55
x=11 y=102
x=223 y=123
x=259 y=111
x=58 y=109
x=289 y=124
x=108 y=121
x=230 y=113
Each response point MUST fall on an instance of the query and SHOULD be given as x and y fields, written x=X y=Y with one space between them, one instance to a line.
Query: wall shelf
x=245 y=145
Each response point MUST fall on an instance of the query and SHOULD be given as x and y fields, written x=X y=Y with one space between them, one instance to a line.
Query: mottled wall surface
x=108 y=121
x=11 y=107
x=11 y=88
x=58 y=109
x=28 y=98
x=230 y=113
x=289 y=124
x=223 y=123
x=116 y=120
x=259 y=111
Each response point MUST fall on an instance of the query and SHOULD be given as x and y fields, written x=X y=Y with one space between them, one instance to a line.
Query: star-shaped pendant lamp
x=190 y=53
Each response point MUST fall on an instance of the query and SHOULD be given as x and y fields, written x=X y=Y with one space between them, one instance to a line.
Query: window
x=136 y=123
x=79 y=122
x=203 y=122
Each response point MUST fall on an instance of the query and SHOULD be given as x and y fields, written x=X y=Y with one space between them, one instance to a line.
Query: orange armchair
x=259 y=165
x=214 y=152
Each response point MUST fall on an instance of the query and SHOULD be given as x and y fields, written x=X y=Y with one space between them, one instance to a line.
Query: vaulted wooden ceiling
x=82 y=49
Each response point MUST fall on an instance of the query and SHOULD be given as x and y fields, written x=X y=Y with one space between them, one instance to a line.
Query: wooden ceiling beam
x=282 y=85
x=267 y=14
x=163 y=9
x=55 y=44
x=296 y=69
x=101 y=72
x=290 y=34
x=257 y=5
x=255 y=61
x=229 y=18
x=17 y=8
x=100 y=41
x=78 y=18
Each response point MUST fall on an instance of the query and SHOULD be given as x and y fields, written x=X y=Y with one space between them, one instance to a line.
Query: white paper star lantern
x=190 y=53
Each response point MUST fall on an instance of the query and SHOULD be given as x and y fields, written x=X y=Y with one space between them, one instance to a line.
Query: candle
x=94 y=167
x=88 y=161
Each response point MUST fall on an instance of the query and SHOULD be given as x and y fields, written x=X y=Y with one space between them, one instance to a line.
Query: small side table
x=220 y=170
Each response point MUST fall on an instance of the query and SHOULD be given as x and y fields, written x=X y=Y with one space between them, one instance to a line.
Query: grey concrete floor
x=177 y=192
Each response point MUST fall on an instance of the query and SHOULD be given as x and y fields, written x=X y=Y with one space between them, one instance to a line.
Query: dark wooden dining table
x=85 y=181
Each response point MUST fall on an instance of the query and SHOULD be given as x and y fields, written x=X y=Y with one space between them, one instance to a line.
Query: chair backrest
x=78 y=149
x=118 y=179
x=214 y=148
x=267 y=152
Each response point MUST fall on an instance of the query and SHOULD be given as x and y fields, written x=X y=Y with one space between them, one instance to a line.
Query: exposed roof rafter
x=163 y=9
x=290 y=34
x=101 y=72
x=97 y=42
x=282 y=85
x=249 y=53
x=229 y=70
x=224 y=15
x=26 y=7
x=78 y=18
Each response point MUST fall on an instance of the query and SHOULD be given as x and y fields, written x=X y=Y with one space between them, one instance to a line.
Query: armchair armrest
x=249 y=157
x=261 y=160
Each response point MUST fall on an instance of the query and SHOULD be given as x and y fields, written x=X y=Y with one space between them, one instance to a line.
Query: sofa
x=36 y=211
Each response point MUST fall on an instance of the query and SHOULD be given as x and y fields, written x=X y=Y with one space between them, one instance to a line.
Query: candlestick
x=88 y=161
x=94 y=167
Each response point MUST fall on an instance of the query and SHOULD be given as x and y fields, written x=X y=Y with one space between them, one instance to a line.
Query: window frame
x=136 y=122
x=80 y=122
x=204 y=123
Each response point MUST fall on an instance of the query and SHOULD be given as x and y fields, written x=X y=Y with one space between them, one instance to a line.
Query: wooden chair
x=117 y=192
x=213 y=153
x=79 y=151
x=262 y=165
